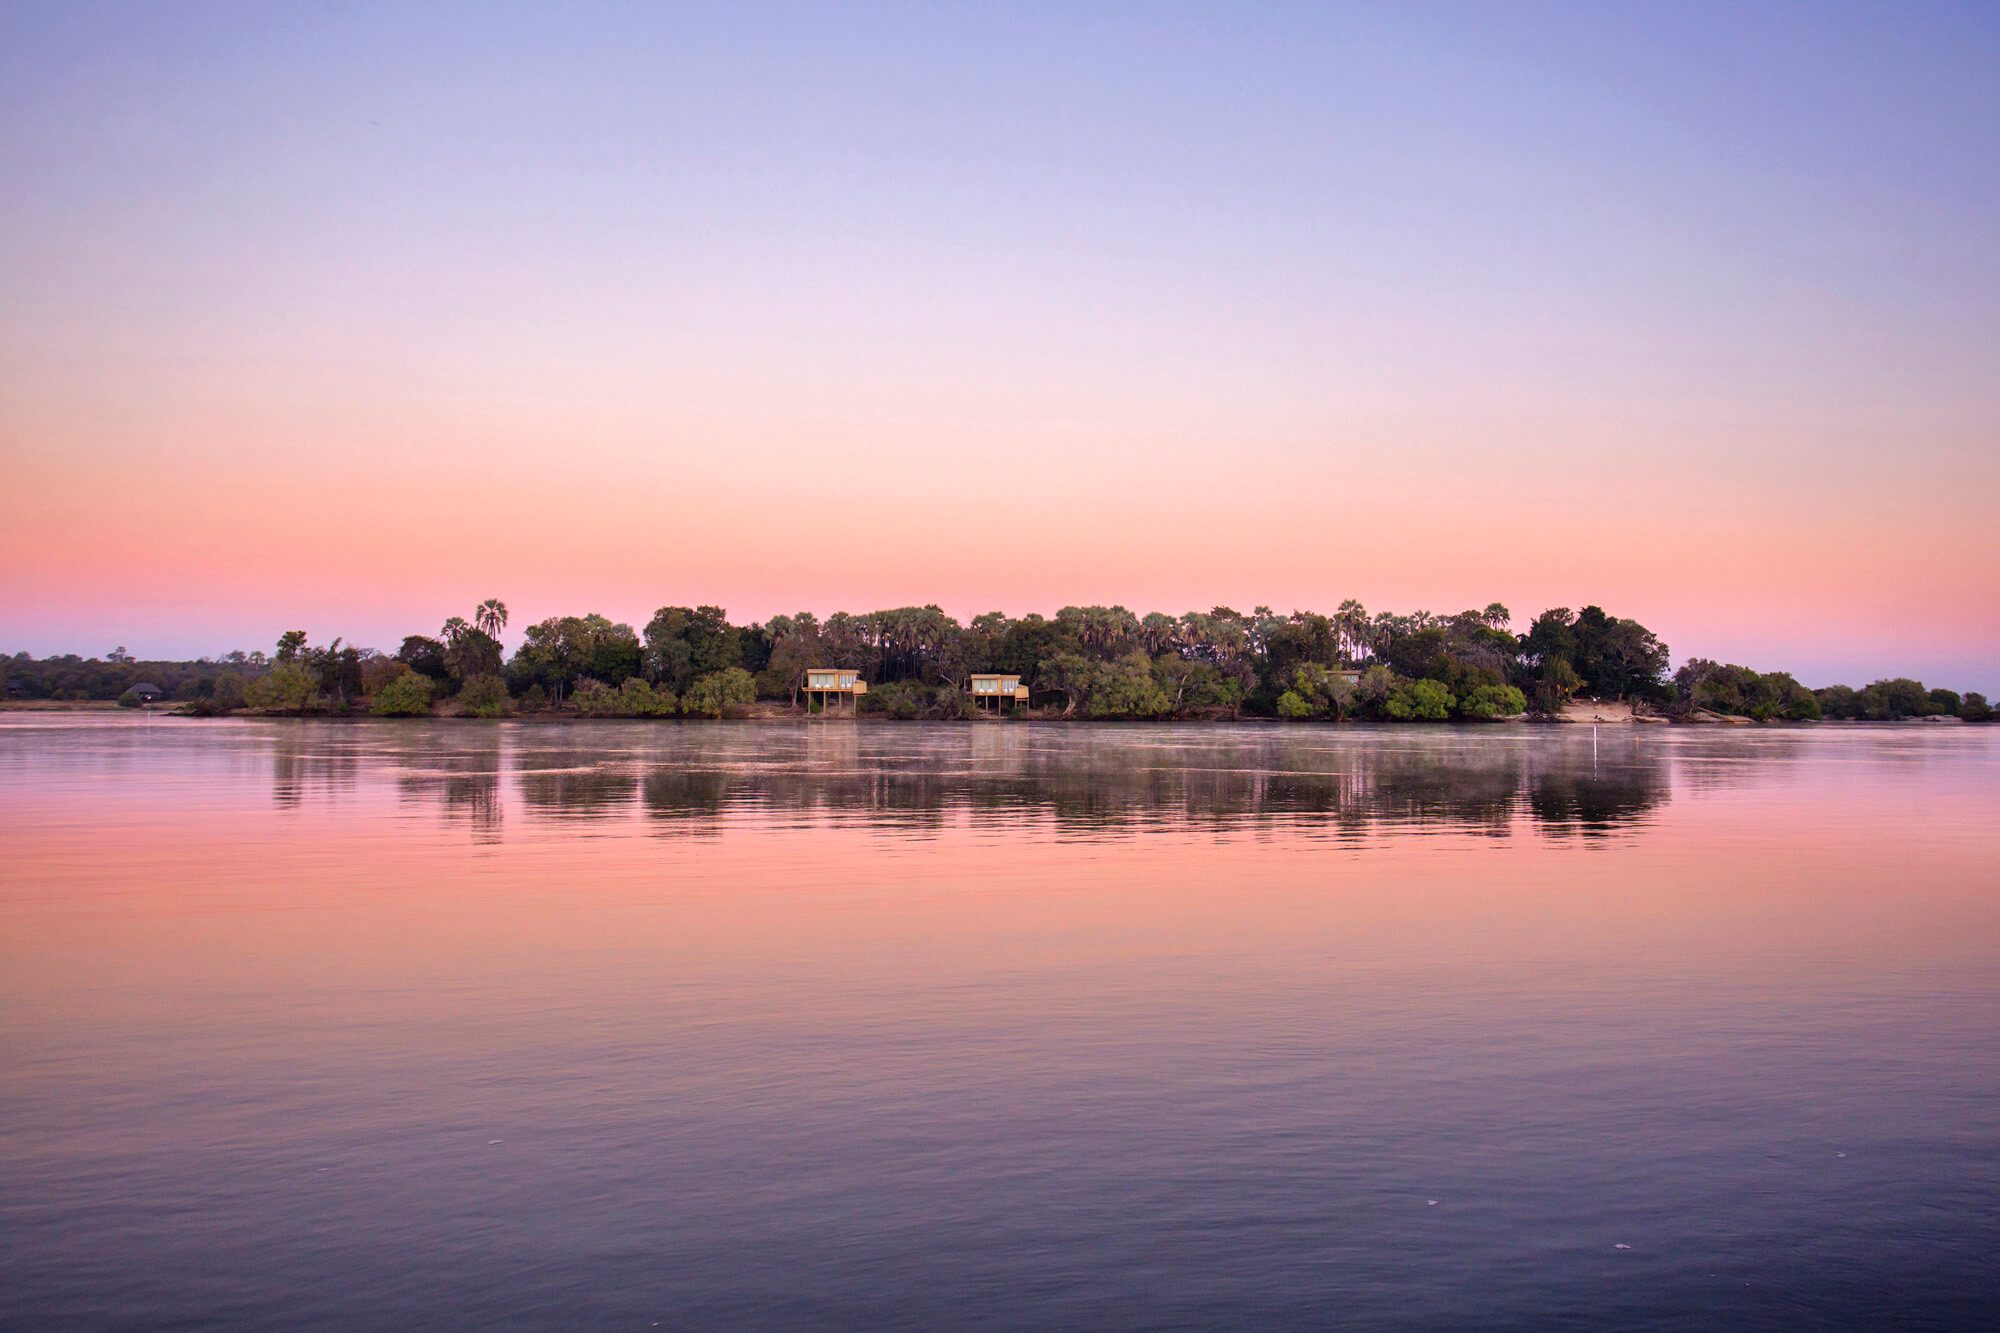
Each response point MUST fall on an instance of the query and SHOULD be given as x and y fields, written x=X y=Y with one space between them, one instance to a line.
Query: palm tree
x=1354 y=626
x=453 y=628
x=491 y=617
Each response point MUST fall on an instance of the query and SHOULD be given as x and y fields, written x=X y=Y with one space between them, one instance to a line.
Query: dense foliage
x=1085 y=662
x=106 y=678
x=406 y=695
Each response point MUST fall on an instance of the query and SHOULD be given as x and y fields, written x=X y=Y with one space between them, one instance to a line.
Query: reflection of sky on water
x=909 y=1025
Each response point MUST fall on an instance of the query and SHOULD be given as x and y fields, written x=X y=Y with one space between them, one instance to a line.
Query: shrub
x=718 y=691
x=285 y=688
x=378 y=672
x=951 y=703
x=1893 y=700
x=1420 y=701
x=1317 y=690
x=1372 y=694
x=1125 y=687
x=593 y=698
x=130 y=699
x=408 y=695
x=907 y=700
x=484 y=695
x=1556 y=683
x=1797 y=703
x=637 y=698
x=1484 y=702
x=227 y=696
x=223 y=698
x=896 y=698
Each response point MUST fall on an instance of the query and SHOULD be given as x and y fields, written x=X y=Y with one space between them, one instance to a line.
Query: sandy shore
x=1595 y=711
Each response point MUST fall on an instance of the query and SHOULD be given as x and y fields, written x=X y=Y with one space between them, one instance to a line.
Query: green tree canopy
x=408 y=695
x=715 y=693
x=1421 y=701
x=684 y=642
x=1486 y=702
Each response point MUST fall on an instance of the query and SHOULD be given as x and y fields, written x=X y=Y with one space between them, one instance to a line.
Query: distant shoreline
x=1085 y=663
x=1582 y=713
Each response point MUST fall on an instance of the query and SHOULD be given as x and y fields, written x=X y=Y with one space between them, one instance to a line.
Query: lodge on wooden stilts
x=830 y=684
x=996 y=691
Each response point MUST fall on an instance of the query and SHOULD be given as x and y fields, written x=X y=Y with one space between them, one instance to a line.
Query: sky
x=345 y=317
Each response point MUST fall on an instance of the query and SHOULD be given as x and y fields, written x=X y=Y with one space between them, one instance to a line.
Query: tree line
x=1088 y=662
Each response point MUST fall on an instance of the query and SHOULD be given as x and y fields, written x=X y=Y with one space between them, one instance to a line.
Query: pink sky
x=297 y=335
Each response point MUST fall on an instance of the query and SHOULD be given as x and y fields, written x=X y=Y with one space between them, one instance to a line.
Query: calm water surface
x=621 y=1024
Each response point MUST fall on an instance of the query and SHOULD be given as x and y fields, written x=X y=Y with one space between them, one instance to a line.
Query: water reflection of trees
x=686 y=800
x=463 y=782
x=576 y=783
x=1109 y=782
x=1594 y=798
x=310 y=762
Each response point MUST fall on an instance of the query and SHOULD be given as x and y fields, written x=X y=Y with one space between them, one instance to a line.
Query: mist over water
x=802 y=1024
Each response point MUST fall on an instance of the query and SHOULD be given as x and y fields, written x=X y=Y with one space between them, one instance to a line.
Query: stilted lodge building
x=832 y=683
x=998 y=689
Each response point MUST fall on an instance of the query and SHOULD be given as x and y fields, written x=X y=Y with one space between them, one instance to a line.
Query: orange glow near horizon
x=196 y=531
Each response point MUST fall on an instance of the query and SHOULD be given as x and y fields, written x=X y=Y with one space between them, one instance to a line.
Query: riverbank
x=1597 y=712
x=1580 y=712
